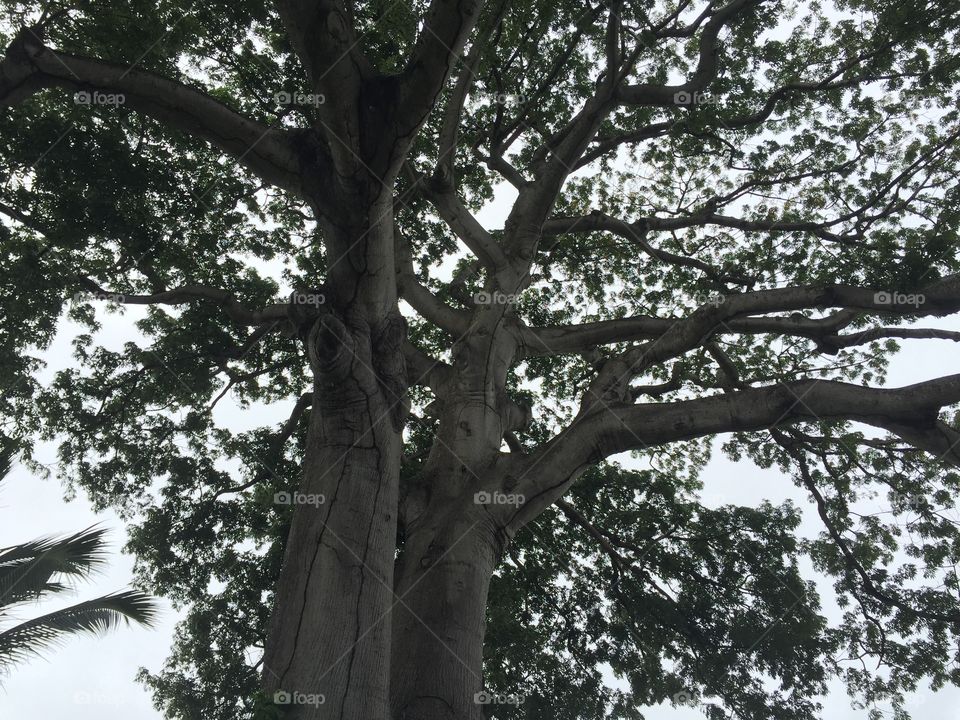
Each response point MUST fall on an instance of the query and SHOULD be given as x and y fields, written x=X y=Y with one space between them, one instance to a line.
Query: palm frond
x=26 y=569
x=93 y=616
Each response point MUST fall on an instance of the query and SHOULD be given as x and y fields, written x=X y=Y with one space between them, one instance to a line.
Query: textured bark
x=452 y=542
x=439 y=618
x=331 y=626
x=330 y=631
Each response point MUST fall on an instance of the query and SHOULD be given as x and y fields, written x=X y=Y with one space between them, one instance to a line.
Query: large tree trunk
x=452 y=543
x=376 y=646
x=330 y=630
x=442 y=584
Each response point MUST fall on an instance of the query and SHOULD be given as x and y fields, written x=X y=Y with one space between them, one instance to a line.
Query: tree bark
x=439 y=620
x=330 y=629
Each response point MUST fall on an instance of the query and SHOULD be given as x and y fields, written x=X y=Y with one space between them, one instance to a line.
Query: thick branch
x=707 y=65
x=322 y=33
x=441 y=193
x=425 y=370
x=28 y=66
x=910 y=412
x=729 y=313
x=447 y=26
x=427 y=305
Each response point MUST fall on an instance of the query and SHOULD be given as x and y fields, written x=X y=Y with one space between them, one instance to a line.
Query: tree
x=723 y=217
x=31 y=571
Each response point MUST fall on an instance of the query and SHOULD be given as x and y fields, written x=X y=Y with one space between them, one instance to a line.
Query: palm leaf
x=93 y=616
x=26 y=569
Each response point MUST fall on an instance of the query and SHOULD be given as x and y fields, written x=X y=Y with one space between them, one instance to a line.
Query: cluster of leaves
x=677 y=600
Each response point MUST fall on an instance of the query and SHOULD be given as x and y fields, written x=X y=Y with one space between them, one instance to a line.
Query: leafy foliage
x=669 y=597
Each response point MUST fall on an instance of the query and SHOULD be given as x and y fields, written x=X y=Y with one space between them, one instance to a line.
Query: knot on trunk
x=330 y=349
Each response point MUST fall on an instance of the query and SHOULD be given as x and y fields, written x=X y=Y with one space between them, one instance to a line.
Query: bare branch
x=322 y=33
x=449 y=130
x=442 y=195
x=304 y=402
x=425 y=370
x=240 y=314
x=636 y=233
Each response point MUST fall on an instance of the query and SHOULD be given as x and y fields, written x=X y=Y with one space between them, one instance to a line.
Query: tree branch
x=853 y=565
x=28 y=66
x=190 y=293
x=304 y=402
x=429 y=306
x=636 y=233
x=910 y=412
x=707 y=65
x=730 y=313
x=447 y=26
x=439 y=190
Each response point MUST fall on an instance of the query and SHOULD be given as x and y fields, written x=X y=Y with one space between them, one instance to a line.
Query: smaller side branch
x=276 y=447
x=707 y=64
x=784 y=440
x=191 y=293
x=636 y=233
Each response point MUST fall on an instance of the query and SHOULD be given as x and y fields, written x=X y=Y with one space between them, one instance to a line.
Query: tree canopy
x=721 y=220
